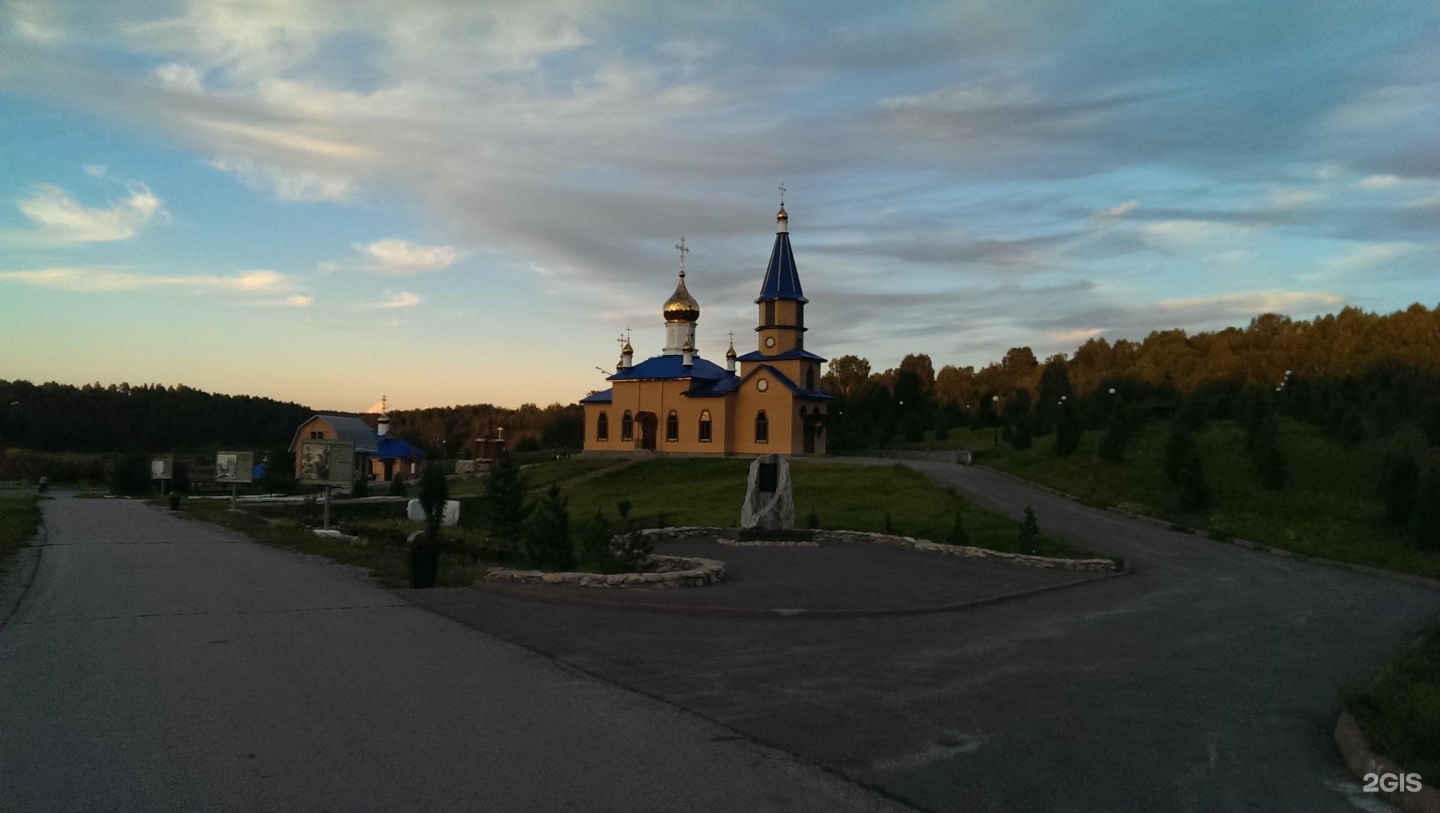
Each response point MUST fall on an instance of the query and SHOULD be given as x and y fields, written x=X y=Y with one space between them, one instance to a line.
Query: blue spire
x=782 y=280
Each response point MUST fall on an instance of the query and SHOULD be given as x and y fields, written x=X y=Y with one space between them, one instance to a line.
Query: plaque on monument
x=769 y=477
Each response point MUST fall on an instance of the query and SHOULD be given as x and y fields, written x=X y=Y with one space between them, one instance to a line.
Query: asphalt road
x=1209 y=680
x=160 y=665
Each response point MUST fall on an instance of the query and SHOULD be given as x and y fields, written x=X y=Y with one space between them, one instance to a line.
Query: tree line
x=1354 y=374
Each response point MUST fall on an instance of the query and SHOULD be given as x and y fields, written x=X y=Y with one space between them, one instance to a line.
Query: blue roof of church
x=671 y=367
x=797 y=353
x=782 y=281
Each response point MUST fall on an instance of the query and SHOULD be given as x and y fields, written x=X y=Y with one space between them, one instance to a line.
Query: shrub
x=434 y=492
x=1029 y=531
x=360 y=488
x=812 y=519
x=131 y=474
x=397 y=486
x=958 y=535
x=1116 y=438
x=1194 y=490
x=630 y=552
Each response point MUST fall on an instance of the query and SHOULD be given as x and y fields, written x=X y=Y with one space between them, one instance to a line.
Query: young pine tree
x=1029 y=531
x=505 y=506
x=547 y=537
x=434 y=491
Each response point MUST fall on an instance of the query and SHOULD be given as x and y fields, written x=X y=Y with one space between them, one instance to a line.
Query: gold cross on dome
x=782 y=193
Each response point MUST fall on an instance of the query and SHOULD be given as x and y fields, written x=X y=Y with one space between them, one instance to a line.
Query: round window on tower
x=762 y=385
x=769 y=341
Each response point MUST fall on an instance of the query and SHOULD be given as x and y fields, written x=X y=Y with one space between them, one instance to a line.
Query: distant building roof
x=354 y=430
x=600 y=397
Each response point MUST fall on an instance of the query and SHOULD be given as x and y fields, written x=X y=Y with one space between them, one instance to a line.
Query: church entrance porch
x=648 y=424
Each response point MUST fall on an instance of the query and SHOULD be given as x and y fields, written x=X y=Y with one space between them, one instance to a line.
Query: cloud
x=404 y=299
x=402 y=258
x=65 y=221
x=110 y=280
x=1380 y=182
x=1371 y=255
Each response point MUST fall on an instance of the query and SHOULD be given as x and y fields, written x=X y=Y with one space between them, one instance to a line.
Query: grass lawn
x=1400 y=712
x=19 y=520
x=381 y=552
x=1328 y=507
x=701 y=491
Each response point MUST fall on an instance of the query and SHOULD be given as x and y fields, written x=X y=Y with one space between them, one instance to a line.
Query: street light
x=995 y=404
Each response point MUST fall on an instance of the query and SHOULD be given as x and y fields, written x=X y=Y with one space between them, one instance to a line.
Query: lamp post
x=995 y=405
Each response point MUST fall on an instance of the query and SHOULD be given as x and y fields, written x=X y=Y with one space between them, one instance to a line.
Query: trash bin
x=424 y=560
x=174 y=501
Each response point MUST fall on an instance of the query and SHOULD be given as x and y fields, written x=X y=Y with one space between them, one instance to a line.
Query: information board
x=162 y=468
x=327 y=462
x=234 y=467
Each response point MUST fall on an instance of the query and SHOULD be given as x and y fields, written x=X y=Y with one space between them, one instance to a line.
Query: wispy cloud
x=1371 y=255
x=259 y=282
x=63 y=220
x=402 y=258
x=403 y=299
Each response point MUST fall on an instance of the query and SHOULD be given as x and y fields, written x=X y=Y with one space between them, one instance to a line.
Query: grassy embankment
x=19 y=520
x=1328 y=507
x=1400 y=711
x=660 y=492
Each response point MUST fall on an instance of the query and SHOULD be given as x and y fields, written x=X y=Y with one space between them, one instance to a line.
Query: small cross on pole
x=683 y=251
x=782 y=193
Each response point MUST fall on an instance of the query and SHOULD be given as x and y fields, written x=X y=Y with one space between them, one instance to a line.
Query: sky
x=453 y=202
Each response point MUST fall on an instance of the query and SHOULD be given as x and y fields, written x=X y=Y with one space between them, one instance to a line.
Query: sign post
x=162 y=469
x=234 y=468
x=327 y=463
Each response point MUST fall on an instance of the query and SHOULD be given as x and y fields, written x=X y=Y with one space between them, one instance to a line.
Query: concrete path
x=161 y=665
x=1210 y=680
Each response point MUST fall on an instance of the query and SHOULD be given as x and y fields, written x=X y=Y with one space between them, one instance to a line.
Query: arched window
x=627 y=426
x=602 y=427
x=705 y=426
x=672 y=427
x=762 y=427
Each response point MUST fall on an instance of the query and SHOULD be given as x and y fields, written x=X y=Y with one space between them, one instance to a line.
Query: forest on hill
x=1353 y=374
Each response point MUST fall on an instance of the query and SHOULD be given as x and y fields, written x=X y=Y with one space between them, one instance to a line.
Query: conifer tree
x=547 y=537
x=505 y=506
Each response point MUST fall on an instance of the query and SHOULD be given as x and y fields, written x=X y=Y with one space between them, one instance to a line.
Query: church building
x=678 y=402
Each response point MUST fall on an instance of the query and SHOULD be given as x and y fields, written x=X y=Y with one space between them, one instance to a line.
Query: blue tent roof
x=782 y=280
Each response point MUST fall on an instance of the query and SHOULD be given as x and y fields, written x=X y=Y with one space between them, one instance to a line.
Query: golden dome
x=730 y=354
x=627 y=350
x=782 y=217
x=681 y=306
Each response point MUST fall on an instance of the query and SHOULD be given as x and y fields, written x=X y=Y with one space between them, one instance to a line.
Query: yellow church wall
x=659 y=398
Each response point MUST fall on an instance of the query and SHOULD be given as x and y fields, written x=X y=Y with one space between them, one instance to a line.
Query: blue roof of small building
x=393 y=447
x=600 y=397
x=797 y=353
x=782 y=280
x=665 y=367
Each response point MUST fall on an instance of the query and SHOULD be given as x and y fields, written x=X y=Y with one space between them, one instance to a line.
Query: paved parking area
x=838 y=578
x=1209 y=680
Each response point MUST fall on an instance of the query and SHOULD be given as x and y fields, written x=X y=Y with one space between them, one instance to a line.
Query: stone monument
x=769 y=509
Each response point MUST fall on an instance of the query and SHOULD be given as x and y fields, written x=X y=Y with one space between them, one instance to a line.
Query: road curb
x=560 y=598
x=1362 y=761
